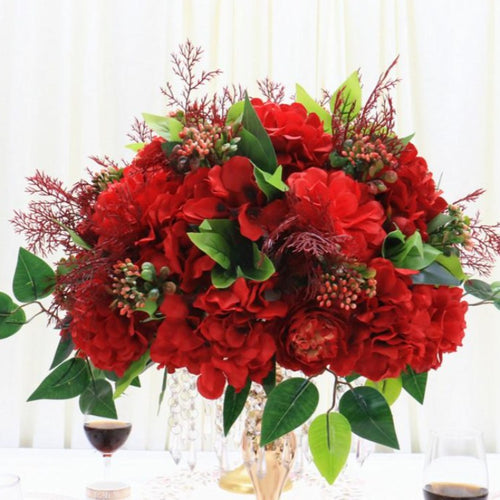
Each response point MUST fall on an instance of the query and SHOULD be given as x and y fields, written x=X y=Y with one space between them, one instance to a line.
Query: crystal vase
x=269 y=466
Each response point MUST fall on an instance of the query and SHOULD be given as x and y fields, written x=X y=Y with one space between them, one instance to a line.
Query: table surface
x=63 y=475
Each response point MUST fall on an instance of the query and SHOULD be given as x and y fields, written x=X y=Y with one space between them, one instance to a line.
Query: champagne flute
x=455 y=466
x=107 y=435
x=10 y=487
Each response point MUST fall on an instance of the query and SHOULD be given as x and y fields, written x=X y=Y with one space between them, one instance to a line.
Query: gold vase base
x=238 y=481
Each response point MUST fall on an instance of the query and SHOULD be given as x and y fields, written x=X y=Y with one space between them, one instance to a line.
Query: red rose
x=413 y=200
x=337 y=205
x=298 y=137
x=314 y=339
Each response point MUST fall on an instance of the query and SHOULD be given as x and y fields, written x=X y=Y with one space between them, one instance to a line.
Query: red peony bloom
x=337 y=205
x=314 y=339
x=413 y=200
x=440 y=313
x=110 y=340
x=298 y=137
x=241 y=299
x=238 y=351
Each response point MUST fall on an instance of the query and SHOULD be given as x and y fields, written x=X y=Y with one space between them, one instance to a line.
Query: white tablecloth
x=63 y=474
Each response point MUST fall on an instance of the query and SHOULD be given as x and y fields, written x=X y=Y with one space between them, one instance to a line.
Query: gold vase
x=269 y=466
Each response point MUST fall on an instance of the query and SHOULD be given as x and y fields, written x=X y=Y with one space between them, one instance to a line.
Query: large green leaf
x=222 y=278
x=214 y=245
x=234 y=402
x=369 y=415
x=269 y=383
x=253 y=125
x=288 y=405
x=350 y=94
x=390 y=388
x=262 y=267
x=33 y=277
x=452 y=264
x=250 y=147
x=12 y=317
x=97 y=399
x=414 y=384
x=312 y=106
x=67 y=381
x=165 y=126
x=133 y=371
x=330 y=443
x=64 y=349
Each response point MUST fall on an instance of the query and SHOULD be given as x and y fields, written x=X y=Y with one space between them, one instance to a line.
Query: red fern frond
x=272 y=91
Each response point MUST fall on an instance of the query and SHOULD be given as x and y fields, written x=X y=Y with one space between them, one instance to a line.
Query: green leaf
x=214 y=245
x=250 y=147
x=350 y=94
x=165 y=126
x=271 y=185
x=33 y=278
x=133 y=371
x=435 y=274
x=234 y=402
x=288 y=405
x=12 y=317
x=64 y=348
x=150 y=307
x=408 y=253
x=235 y=113
x=222 y=278
x=330 y=443
x=406 y=140
x=75 y=237
x=452 y=264
x=414 y=384
x=135 y=146
x=352 y=377
x=67 y=381
x=263 y=267
x=312 y=106
x=438 y=222
x=97 y=399
x=163 y=389
x=479 y=289
x=390 y=388
x=269 y=383
x=369 y=415
x=252 y=124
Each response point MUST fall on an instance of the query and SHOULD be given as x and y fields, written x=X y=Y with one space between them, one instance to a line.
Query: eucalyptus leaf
x=67 y=381
x=414 y=383
x=133 y=371
x=302 y=97
x=390 y=388
x=234 y=402
x=33 y=278
x=288 y=405
x=435 y=274
x=97 y=399
x=369 y=415
x=479 y=289
x=12 y=317
x=330 y=442
x=439 y=221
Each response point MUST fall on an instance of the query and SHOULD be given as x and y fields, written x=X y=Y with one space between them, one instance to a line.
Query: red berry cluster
x=128 y=297
x=345 y=287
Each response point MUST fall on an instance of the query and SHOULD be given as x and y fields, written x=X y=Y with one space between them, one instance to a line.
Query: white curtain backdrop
x=74 y=74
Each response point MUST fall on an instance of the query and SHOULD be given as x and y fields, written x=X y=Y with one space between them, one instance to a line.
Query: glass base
x=108 y=490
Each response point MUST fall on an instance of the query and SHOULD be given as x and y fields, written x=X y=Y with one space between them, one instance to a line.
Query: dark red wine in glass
x=106 y=435
x=454 y=491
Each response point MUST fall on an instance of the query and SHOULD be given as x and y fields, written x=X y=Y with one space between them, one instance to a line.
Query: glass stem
x=106 y=457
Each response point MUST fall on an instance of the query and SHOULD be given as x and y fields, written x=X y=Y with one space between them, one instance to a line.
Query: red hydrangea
x=298 y=137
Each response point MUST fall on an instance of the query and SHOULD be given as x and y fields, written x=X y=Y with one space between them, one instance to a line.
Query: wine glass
x=107 y=435
x=10 y=487
x=455 y=466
